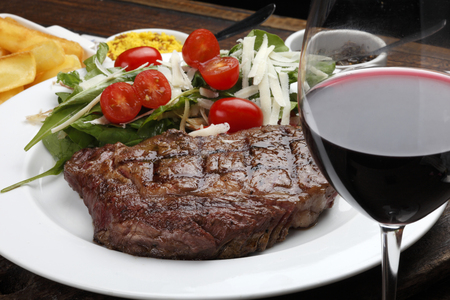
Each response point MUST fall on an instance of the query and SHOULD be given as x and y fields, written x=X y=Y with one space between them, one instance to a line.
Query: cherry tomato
x=238 y=113
x=119 y=103
x=152 y=88
x=200 y=46
x=133 y=58
x=220 y=73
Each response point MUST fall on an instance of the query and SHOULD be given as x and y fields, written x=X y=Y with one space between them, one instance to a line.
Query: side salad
x=207 y=91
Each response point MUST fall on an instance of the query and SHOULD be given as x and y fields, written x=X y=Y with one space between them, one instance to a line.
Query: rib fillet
x=182 y=197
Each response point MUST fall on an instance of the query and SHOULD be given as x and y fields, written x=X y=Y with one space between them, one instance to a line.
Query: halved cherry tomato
x=237 y=112
x=119 y=103
x=133 y=58
x=220 y=73
x=200 y=46
x=152 y=88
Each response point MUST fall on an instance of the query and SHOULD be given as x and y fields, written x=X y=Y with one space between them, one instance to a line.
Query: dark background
x=430 y=10
x=294 y=8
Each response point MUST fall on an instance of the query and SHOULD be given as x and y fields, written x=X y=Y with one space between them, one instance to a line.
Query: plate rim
x=52 y=259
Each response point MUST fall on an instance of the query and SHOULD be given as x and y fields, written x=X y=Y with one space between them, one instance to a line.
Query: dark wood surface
x=424 y=267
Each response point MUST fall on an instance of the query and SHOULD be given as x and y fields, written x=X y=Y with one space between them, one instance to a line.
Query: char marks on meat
x=182 y=197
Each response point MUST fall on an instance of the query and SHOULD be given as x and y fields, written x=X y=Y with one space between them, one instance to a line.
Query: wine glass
x=378 y=125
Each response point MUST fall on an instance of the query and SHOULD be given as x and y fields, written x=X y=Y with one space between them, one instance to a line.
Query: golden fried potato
x=4 y=52
x=48 y=54
x=16 y=70
x=14 y=37
x=11 y=20
x=71 y=63
x=8 y=94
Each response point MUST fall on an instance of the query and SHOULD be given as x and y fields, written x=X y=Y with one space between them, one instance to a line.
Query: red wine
x=382 y=139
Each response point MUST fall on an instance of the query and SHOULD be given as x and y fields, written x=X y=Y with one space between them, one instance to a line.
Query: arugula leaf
x=71 y=79
x=273 y=39
x=156 y=127
x=173 y=104
x=73 y=104
x=60 y=148
x=56 y=170
x=107 y=134
x=81 y=138
x=293 y=76
x=326 y=66
x=56 y=118
x=100 y=55
x=81 y=133
x=294 y=104
x=198 y=80
x=86 y=96
x=63 y=96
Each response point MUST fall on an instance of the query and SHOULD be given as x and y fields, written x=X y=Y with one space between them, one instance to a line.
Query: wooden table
x=424 y=267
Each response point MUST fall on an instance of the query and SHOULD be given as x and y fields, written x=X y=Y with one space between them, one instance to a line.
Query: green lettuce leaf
x=273 y=39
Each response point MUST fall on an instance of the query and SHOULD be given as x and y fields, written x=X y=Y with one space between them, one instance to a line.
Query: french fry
x=10 y=93
x=4 y=52
x=29 y=56
x=11 y=20
x=16 y=70
x=48 y=54
x=71 y=63
x=14 y=37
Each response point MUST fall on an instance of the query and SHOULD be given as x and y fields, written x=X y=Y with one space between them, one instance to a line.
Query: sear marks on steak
x=182 y=197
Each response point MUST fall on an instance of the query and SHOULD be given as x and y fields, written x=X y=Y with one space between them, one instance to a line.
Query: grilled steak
x=182 y=197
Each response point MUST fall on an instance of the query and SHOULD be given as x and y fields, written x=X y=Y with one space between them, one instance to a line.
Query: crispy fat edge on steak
x=182 y=197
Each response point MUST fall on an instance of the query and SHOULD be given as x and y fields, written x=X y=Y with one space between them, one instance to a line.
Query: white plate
x=45 y=228
x=88 y=46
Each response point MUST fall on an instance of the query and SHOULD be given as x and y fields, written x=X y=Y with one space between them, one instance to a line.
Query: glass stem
x=391 y=238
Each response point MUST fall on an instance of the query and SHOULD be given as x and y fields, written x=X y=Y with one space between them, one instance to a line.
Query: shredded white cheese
x=185 y=116
x=85 y=84
x=285 y=56
x=264 y=72
x=77 y=115
x=208 y=93
x=285 y=64
x=284 y=80
x=204 y=115
x=190 y=72
x=274 y=84
x=259 y=67
x=61 y=135
x=99 y=121
x=205 y=103
x=275 y=113
x=93 y=81
x=322 y=75
x=247 y=92
x=101 y=67
x=176 y=91
x=248 y=46
x=179 y=78
x=265 y=98
x=166 y=71
x=213 y=129
x=39 y=118
x=268 y=69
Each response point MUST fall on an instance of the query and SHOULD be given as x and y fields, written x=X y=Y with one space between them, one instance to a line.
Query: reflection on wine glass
x=378 y=131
